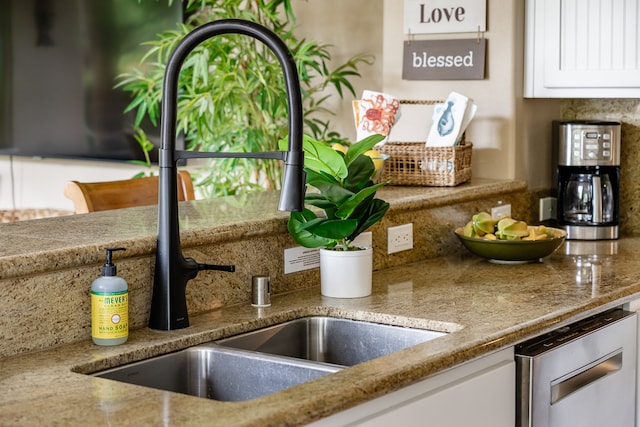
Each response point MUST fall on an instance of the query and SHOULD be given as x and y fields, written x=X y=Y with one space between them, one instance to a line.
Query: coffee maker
x=588 y=178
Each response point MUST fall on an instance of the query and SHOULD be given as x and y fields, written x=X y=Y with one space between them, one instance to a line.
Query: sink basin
x=267 y=360
x=331 y=340
x=218 y=373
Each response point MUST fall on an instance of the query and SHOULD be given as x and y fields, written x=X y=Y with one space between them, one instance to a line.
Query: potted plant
x=345 y=193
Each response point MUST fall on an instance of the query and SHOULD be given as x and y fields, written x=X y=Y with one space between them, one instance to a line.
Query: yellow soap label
x=110 y=314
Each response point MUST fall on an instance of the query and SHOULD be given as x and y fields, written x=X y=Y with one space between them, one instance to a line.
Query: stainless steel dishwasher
x=580 y=375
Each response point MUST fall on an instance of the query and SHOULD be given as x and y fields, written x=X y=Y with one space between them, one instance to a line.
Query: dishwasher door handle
x=566 y=385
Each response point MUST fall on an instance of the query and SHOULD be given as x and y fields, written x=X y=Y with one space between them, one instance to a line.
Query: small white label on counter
x=300 y=258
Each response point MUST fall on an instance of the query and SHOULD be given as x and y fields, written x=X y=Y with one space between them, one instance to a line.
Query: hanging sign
x=444 y=16
x=460 y=59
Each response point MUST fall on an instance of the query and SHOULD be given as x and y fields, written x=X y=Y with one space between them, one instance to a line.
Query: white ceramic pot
x=346 y=274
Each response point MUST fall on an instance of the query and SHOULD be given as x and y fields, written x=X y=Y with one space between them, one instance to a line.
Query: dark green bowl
x=512 y=251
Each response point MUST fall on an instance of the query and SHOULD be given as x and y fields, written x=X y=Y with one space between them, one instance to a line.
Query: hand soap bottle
x=109 y=305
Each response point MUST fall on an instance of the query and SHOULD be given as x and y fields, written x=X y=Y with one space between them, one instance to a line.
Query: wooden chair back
x=102 y=196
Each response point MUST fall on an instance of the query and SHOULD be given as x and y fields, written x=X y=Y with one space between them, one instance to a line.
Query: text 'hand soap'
x=109 y=305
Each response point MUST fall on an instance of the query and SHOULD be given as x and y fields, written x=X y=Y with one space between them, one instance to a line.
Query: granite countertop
x=484 y=306
x=31 y=247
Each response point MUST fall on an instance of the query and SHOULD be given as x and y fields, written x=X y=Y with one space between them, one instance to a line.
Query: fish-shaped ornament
x=446 y=123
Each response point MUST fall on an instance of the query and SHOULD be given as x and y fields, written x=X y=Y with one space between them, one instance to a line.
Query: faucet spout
x=172 y=269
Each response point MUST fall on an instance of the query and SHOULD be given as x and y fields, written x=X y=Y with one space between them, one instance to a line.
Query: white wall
x=352 y=27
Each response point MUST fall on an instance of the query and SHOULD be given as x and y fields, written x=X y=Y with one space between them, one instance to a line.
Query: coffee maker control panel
x=589 y=143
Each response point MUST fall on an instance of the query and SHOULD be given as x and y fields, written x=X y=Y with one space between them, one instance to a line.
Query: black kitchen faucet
x=172 y=269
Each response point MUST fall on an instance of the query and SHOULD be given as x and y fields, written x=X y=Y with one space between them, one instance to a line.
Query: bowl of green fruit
x=507 y=240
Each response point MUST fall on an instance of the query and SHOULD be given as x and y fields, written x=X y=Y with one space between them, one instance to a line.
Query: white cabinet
x=480 y=393
x=582 y=49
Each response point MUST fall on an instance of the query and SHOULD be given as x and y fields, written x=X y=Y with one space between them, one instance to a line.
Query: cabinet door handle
x=564 y=386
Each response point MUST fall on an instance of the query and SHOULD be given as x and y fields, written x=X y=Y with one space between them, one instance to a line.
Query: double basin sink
x=264 y=361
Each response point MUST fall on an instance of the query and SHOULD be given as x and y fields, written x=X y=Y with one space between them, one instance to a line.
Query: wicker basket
x=411 y=163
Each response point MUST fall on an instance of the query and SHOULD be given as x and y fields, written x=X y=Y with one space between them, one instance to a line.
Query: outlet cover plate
x=548 y=208
x=501 y=211
x=399 y=238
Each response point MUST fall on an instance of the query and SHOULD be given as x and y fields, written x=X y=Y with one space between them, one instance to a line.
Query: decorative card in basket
x=375 y=113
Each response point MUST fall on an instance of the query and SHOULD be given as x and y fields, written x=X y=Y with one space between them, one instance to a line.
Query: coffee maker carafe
x=588 y=178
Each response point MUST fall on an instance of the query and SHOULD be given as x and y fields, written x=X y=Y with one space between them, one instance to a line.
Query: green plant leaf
x=322 y=163
x=347 y=208
x=376 y=210
x=319 y=157
x=361 y=169
x=362 y=147
x=298 y=221
x=317 y=178
x=309 y=224
x=334 y=229
x=334 y=193
x=319 y=201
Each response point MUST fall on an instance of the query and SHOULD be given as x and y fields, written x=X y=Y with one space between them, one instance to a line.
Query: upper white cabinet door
x=582 y=49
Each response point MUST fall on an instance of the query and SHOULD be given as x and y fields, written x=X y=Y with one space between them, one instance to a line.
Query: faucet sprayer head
x=293 y=183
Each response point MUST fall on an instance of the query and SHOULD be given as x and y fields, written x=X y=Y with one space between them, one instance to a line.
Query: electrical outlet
x=501 y=211
x=548 y=208
x=399 y=238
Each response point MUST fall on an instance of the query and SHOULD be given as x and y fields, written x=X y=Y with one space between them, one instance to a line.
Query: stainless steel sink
x=267 y=360
x=330 y=340
x=218 y=373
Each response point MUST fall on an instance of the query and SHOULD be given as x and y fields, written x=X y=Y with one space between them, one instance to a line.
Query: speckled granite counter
x=485 y=307
x=46 y=267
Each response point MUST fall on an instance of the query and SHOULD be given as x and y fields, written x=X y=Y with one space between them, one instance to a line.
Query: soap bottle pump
x=109 y=305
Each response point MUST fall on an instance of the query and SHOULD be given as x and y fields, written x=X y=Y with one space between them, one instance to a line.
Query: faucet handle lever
x=229 y=268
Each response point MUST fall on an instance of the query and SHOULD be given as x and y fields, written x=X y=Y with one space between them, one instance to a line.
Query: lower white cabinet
x=635 y=306
x=478 y=393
